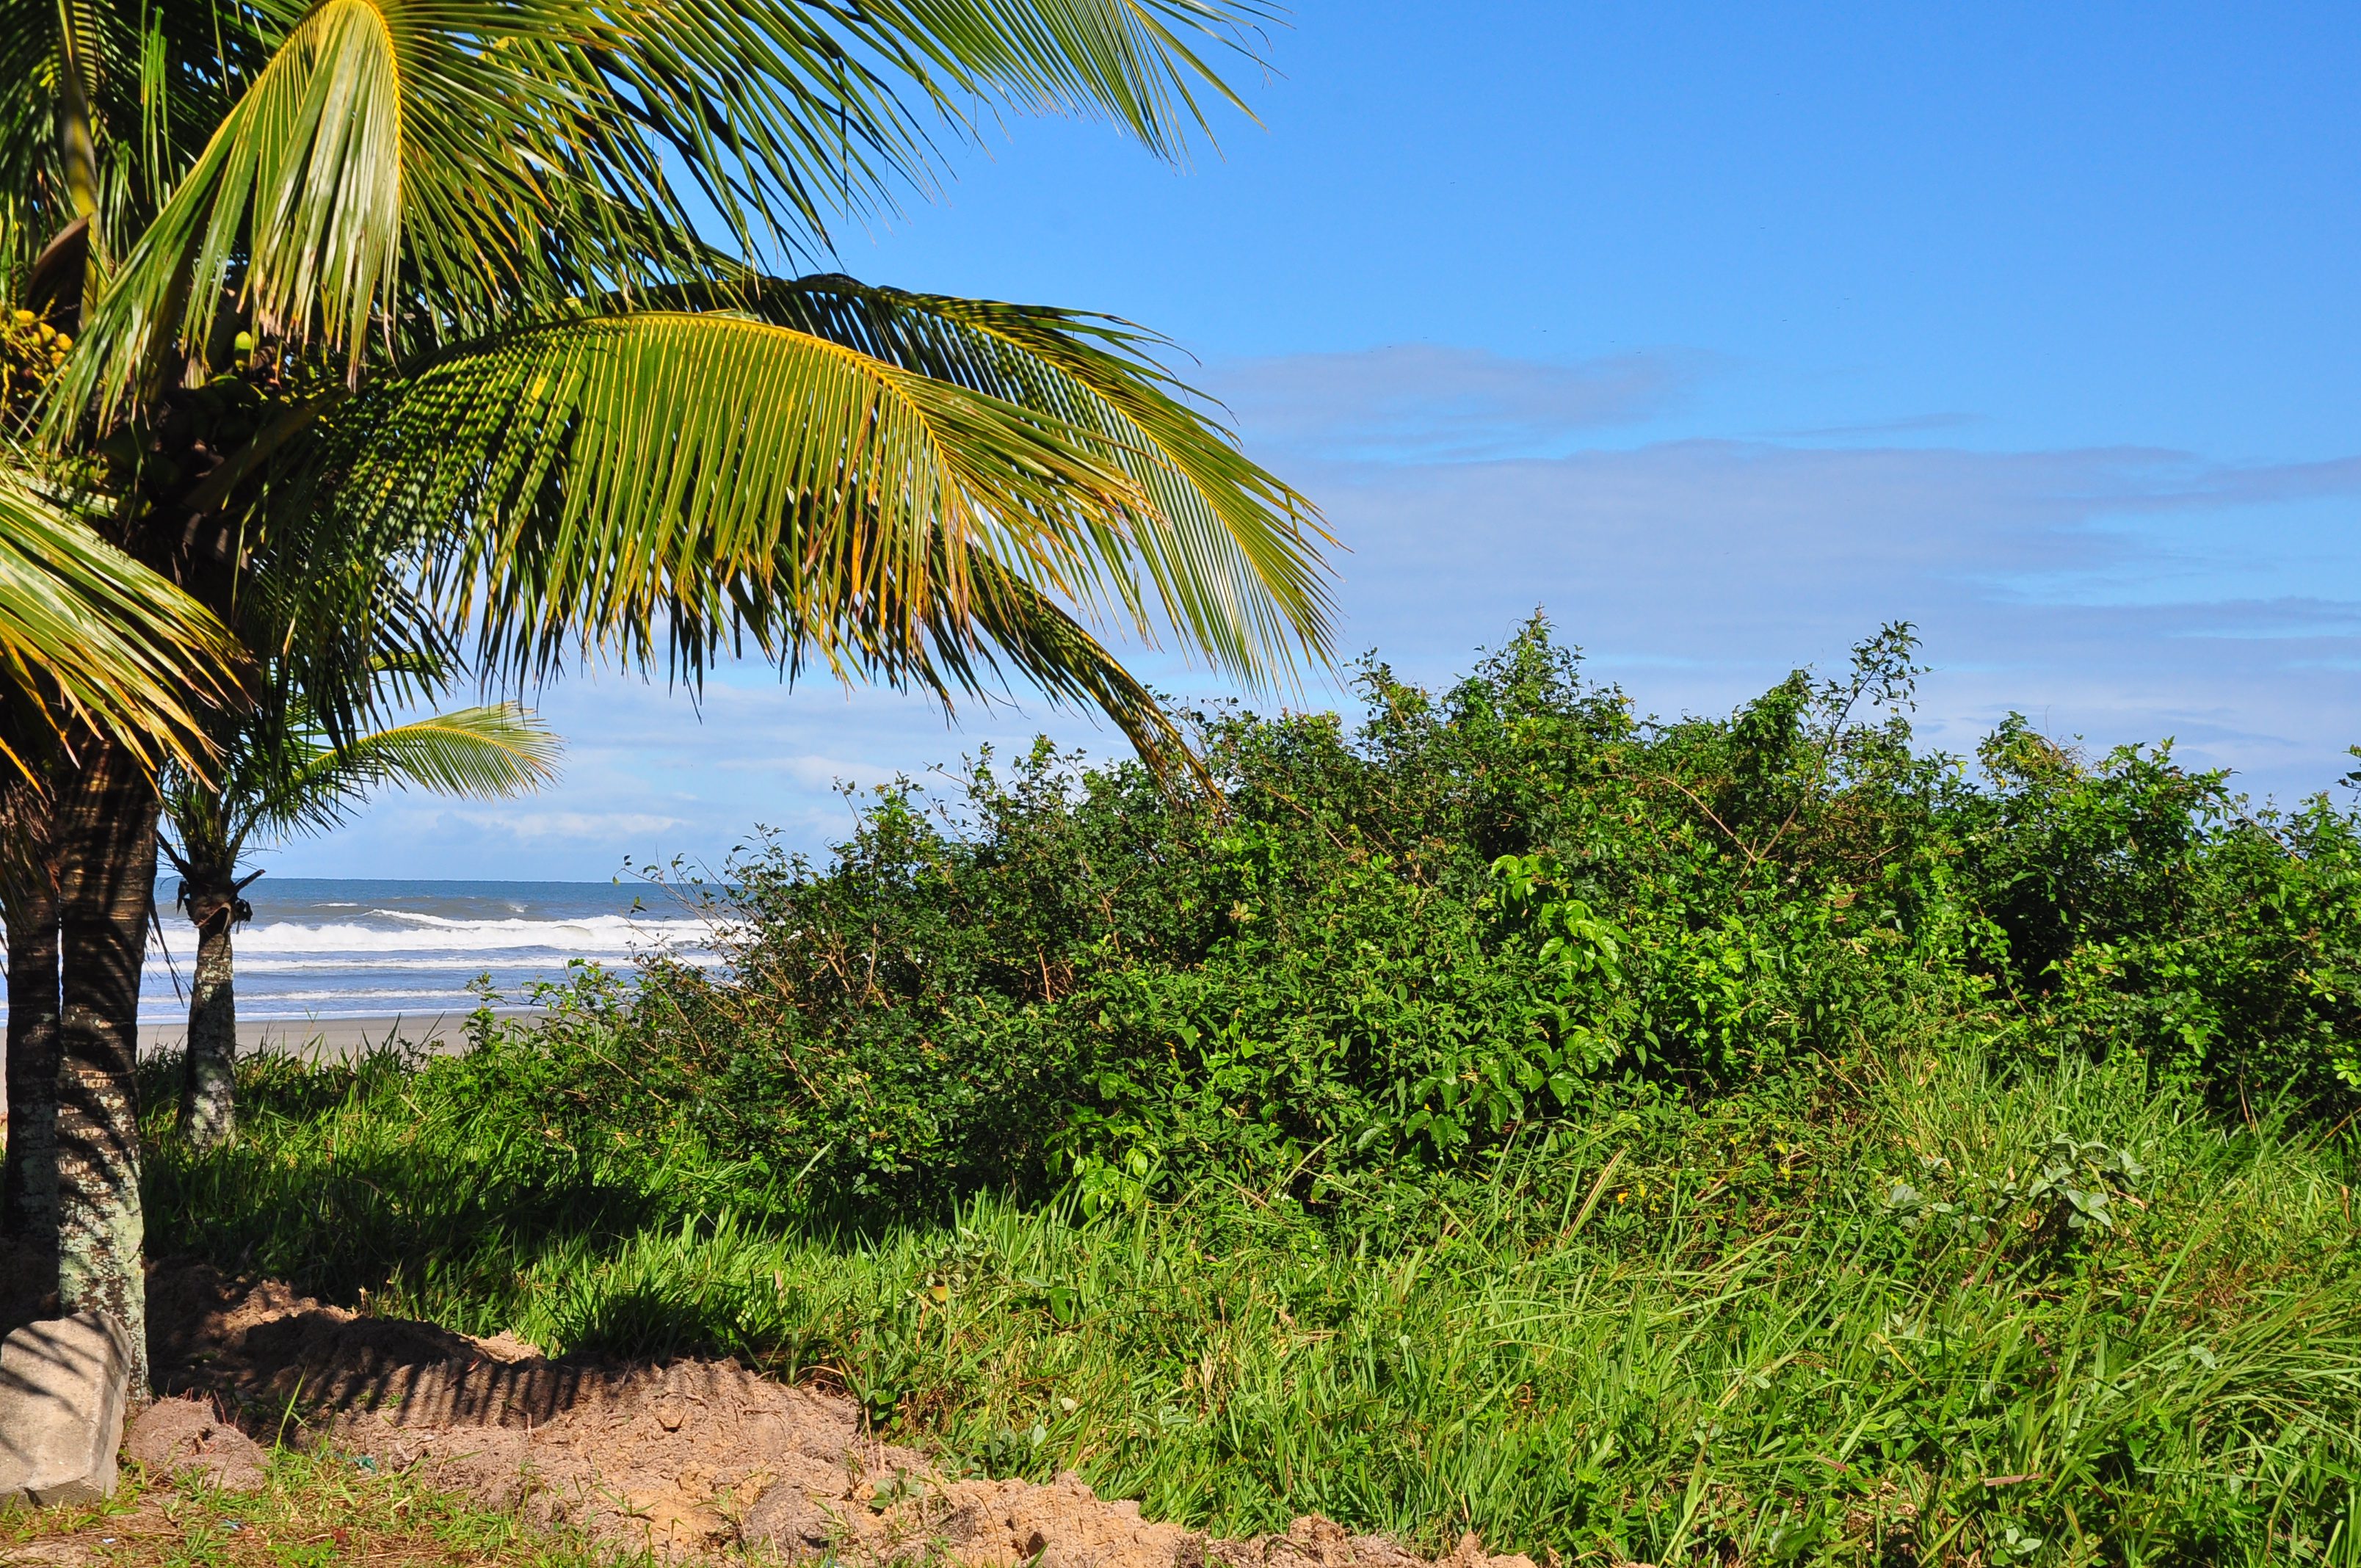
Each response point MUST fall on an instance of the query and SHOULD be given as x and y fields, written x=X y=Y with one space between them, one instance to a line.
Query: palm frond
x=1133 y=62
x=483 y=753
x=1016 y=630
x=282 y=775
x=1233 y=565
x=439 y=163
x=339 y=621
x=155 y=77
x=375 y=137
x=674 y=481
x=924 y=489
x=87 y=634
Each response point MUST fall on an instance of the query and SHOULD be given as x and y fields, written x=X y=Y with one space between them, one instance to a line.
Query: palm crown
x=492 y=341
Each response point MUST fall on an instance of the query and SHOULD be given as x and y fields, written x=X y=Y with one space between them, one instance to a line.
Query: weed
x=316 y=1509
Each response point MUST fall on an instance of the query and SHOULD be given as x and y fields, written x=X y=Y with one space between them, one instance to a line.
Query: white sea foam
x=591 y=936
x=365 y=956
x=250 y=965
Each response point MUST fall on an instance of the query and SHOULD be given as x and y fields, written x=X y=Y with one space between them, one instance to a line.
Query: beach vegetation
x=1408 y=943
x=1748 y=1138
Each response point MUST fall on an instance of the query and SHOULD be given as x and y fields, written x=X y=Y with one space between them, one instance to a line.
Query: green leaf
x=87 y=634
x=676 y=481
x=425 y=168
x=283 y=774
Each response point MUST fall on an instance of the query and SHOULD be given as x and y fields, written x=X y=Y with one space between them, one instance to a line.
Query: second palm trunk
x=208 y=1092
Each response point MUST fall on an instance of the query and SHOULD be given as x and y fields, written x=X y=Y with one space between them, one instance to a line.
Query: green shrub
x=1393 y=951
x=2146 y=909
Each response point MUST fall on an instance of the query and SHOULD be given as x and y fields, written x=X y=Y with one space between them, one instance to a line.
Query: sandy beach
x=326 y=1036
x=339 y=1037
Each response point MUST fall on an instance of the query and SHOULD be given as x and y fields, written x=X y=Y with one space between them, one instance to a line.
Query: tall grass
x=1851 y=1328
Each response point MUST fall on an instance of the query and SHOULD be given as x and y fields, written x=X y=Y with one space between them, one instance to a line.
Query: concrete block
x=61 y=1399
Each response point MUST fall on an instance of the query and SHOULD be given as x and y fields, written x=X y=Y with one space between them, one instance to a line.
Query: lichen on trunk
x=106 y=860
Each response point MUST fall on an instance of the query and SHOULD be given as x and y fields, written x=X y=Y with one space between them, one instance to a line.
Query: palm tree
x=94 y=648
x=90 y=638
x=283 y=775
x=483 y=290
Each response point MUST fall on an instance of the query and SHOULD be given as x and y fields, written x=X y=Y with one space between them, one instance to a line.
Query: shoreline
x=443 y=1033
x=341 y=1039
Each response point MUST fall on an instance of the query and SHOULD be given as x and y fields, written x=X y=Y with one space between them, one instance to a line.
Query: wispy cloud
x=1910 y=425
x=2119 y=593
x=1765 y=533
x=1427 y=402
x=2116 y=592
x=603 y=828
x=813 y=772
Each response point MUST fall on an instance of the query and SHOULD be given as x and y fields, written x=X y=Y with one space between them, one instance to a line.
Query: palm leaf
x=1016 y=629
x=87 y=634
x=154 y=79
x=437 y=163
x=383 y=135
x=483 y=753
x=282 y=774
x=1232 y=563
x=1131 y=61
x=628 y=475
x=333 y=616
x=675 y=480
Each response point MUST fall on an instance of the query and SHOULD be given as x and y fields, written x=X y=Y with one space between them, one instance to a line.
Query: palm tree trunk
x=29 y=1191
x=106 y=861
x=30 y=1205
x=208 y=1091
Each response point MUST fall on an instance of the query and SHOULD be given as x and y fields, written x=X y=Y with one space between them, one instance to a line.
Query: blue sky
x=1722 y=332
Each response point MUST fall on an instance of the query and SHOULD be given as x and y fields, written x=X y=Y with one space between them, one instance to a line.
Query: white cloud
x=532 y=825
x=814 y=772
x=1425 y=401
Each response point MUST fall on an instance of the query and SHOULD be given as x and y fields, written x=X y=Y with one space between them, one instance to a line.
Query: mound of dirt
x=690 y=1459
x=187 y=1437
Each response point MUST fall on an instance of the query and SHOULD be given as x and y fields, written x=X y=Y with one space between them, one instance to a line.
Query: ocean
x=331 y=947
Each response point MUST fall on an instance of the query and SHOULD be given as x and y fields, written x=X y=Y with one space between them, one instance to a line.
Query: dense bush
x=2149 y=908
x=1372 y=953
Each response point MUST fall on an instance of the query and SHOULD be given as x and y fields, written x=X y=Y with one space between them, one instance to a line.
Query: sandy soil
x=329 y=1037
x=694 y=1459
